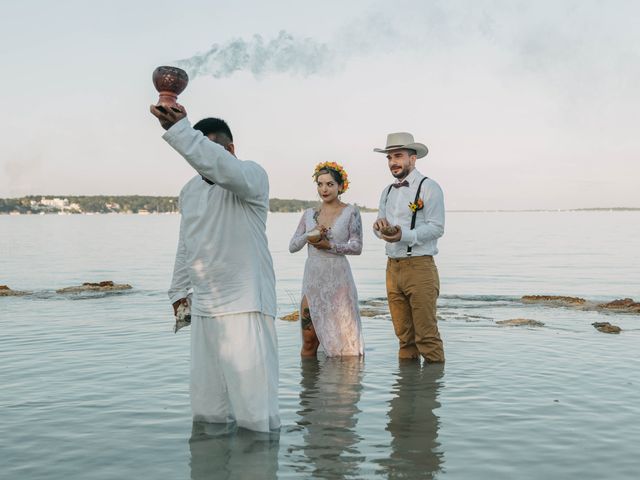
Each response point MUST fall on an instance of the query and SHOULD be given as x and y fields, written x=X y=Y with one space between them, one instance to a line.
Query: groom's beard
x=401 y=174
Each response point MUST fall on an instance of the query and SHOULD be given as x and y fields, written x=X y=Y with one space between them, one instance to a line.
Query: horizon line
x=461 y=210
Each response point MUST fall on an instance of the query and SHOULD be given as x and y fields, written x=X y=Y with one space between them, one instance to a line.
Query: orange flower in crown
x=336 y=167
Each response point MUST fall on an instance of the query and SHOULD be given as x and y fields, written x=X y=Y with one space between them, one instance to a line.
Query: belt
x=402 y=259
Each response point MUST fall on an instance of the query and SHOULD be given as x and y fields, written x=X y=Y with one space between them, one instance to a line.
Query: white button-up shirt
x=423 y=239
x=222 y=251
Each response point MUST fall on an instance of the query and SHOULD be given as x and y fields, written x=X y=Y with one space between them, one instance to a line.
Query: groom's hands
x=382 y=224
x=392 y=238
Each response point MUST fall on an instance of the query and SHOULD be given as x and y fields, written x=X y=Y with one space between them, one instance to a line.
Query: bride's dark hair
x=334 y=174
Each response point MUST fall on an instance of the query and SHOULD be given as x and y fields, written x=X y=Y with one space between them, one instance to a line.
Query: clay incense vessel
x=314 y=235
x=170 y=82
x=389 y=231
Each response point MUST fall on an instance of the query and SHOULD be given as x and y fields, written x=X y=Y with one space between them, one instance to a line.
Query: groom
x=411 y=219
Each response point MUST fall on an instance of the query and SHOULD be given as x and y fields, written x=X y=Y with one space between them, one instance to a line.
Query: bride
x=329 y=314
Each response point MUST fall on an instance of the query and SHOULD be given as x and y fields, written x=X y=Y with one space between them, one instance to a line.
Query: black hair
x=411 y=151
x=334 y=173
x=215 y=125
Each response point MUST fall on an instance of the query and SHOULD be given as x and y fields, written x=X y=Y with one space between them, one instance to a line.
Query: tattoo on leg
x=305 y=319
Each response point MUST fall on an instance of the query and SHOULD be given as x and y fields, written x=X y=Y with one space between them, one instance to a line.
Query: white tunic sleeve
x=180 y=282
x=246 y=179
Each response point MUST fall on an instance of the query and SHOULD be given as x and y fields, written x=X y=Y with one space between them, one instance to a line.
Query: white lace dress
x=328 y=283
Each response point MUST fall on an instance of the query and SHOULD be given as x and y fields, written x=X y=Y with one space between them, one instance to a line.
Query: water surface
x=96 y=387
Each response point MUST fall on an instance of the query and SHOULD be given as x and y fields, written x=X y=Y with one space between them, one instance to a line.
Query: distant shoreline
x=364 y=210
x=123 y=204
x=145 y=205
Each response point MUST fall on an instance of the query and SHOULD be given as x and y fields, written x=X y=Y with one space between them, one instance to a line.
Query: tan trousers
x=413 y=287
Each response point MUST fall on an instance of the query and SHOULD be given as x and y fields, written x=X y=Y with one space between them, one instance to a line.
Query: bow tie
x=404 y=183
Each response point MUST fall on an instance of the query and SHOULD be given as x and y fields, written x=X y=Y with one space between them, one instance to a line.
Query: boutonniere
x=414 y=207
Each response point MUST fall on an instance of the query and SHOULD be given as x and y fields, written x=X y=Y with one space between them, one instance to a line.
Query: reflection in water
x=220 y=451
x=413 y=424
x=329 y=413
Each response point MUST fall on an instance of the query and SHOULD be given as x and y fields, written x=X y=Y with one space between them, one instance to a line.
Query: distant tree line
x=290 y=205
x=125 y=204
x=90 y=204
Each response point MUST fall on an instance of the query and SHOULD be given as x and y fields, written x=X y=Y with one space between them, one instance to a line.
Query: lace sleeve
x=299 y=238
x=354 y=244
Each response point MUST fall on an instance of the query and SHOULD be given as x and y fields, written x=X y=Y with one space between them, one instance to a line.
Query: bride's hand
x=313 y=242
x=322 y=244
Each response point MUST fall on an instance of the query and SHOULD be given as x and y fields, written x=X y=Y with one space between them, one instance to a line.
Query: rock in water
x=292 y=317
x=557 y=299
x=606 y=327
x=623 y=305
x=520 y=322
x=106 y=286
x=371 y=312
x=5 y=291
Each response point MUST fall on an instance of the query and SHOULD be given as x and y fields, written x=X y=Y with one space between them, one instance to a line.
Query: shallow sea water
x=96 y=387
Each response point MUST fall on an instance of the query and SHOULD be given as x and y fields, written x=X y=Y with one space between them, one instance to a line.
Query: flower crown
x=337 y=168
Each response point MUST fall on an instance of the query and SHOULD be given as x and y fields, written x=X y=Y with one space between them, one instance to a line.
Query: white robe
x=224 y=258
x=234 y=370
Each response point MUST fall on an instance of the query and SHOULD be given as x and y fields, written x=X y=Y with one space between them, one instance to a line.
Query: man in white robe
x=223 y=257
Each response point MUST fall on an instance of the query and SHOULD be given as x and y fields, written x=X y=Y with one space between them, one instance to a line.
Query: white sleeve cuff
x=175 y=296
x=177 y=128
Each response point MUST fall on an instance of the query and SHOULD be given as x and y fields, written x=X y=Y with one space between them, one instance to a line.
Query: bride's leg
x=310 y=342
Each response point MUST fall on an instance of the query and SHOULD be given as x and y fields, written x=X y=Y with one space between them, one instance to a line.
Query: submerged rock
x=606 y=327
x=373 y=312
x=557 y=299
x=374 y=307
x=375 y=302
x=5 y=291
x=520 y=322
x=291 y=317
x=106 y=286
x=622 y=305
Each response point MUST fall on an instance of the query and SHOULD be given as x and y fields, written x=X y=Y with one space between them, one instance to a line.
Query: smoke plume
x=283 y=54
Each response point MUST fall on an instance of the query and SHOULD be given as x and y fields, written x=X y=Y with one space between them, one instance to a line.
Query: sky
x=523 y=105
